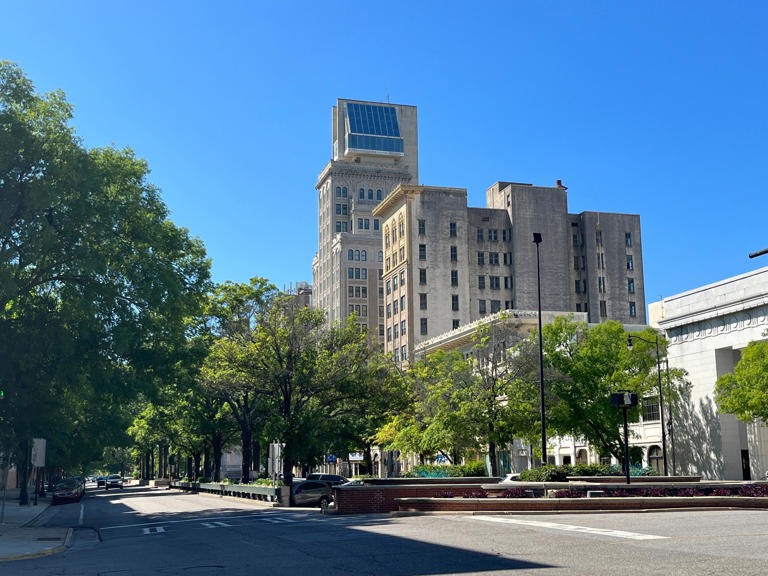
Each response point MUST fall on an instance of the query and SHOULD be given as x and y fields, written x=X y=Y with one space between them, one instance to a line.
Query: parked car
x=330 y=479
x=69 y=489
x=113 y=481
x=100 y=481
x=312 y=493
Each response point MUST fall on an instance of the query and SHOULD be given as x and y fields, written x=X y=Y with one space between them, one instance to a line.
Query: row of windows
x=365 y=224
x=494 y=282
x=493 y=234
x=394 y=332
x=357 y=273
x=357 y=291
x=393 y=308
x=495 y=306
x=392 y=283
x=400 y=227
x=361 y=310
x=493 y=258
x=578 y=239
x=401 y=354
x=604 y=309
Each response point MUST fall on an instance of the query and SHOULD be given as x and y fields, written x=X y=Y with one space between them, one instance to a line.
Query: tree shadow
x=698 y=438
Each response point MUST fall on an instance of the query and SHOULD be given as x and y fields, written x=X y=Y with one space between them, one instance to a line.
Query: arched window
x=370 y=194
x=363 y=255
x=338 y=191
x=655 y=459
x=381 y=256
x=350 y=254
x=357 y=254
x=386 y=236
x=362 y=193
x=581 y=456
x=378 y=194
x=344 y=192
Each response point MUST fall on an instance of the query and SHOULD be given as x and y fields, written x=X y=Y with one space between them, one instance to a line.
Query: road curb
x=66 y=544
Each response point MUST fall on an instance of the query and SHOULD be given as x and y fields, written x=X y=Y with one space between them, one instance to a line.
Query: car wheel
x=323 y=503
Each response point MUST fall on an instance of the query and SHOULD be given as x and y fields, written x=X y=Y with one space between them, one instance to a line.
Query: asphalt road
x=140 y=531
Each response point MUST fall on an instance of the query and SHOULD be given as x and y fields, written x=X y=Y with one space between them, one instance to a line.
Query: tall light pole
x=661 y=394
x=537 y=241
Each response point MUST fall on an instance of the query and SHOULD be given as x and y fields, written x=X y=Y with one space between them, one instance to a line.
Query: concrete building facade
x=374 y=148
x=707 y=328
x=447 y=264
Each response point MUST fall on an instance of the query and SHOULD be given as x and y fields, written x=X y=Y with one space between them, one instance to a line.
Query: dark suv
x=330 y=479
x=312 y=493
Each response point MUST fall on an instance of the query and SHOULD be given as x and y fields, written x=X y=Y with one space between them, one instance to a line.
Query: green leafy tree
x=744 y=393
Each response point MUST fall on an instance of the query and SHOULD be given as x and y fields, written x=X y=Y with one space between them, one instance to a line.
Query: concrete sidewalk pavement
x=19 y=540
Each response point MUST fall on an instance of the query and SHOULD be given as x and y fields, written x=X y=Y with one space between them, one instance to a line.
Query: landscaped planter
x=633 y=479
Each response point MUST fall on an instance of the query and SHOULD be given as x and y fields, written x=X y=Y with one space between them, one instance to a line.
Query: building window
x=481 y=258
x=389 y=310
x=651 y=411
x=367 y=224
x=598 y=237
x=495 y=283
x=493 y=235
x=359 y=223
x=350 y=254
x=481 y=306
x=422 y=301
x=402 y=328
x=454 y=254
x=422 y=227
x=370 y=194
x=394 y=282
x=338 y=192
x=403 y=353
x=362 y=193
x=350 y=273
x=375 y=223
x=575 y=239
x=381 y=256
x=631 y=285
x=656 y=459
x=423 y=326
x=402 y=278
x=628 y=239
x=493 y=258
x=381 y=330
x=344 y=209
x=351 y=292
x=452 y=228
x=454 y=277
x=603 y=310
x=389 y=287
x=578 y=307
x=454 y=302
x=395 y=332
x=395 y=307
x=630 y=265
x=389 y=334
x=632 y=310
x=378 y=194
x=495 y=306
x=481 y=282
x=422 y=251
x=402 y=303
x=357 y=255
x=364 y=291
x=578 y=286
x=455 y=324
x=575 y=262
x=422 y=276
x=397 y=354
x=479 y=234
x=338 y=226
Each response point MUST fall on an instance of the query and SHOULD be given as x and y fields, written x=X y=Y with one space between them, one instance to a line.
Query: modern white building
x=707 y=328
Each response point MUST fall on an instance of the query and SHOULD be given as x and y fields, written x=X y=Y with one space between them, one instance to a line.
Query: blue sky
x=653 y=108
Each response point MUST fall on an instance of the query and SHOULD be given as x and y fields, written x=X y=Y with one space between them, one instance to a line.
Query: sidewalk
x=19 y=539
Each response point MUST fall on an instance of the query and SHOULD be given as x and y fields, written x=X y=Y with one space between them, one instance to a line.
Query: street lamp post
x=661 y=394
x=537 y=241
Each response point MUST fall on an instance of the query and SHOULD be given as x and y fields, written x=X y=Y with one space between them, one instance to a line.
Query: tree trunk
x=245 y=437
x=368 y=460
x=24 y=469
x=492 y=457
x=256 y=464
x=206 y=459
x=196 y=457
x=216 y=441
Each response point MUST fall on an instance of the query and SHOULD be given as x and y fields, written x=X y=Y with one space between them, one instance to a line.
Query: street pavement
x=141 y=531
x=18 y=539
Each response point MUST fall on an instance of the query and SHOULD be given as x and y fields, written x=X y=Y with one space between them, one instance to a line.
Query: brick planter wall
x=372 y=499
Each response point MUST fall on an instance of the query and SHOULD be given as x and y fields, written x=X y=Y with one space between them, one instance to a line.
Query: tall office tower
x=375 y=148
x=447 y=265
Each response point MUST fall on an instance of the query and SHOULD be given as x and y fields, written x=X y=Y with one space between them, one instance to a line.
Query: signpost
x=625 y=400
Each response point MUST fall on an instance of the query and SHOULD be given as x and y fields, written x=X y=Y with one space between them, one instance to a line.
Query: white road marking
x=216 y=525
x=157 y=530
x=570 y=528
x=277 y=520
x=256 y=516
x=82 y=512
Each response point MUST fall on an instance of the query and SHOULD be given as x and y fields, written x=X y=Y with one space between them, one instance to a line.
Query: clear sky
x=650 y=107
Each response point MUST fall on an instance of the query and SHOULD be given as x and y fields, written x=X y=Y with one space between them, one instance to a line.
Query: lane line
x=82 y=512
x=196 y=519
x=571 y=528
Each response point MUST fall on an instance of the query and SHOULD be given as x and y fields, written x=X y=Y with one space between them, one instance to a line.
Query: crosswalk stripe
x=155 y=530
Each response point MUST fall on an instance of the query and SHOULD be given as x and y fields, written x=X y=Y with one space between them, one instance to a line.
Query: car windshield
x=64 y=484
x=114 y=476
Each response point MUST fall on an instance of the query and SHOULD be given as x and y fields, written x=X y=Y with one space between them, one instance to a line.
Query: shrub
x=689 y=492
x=475 y=468
x=428 y=471
x=754 y=490
x=567 y=494
x=548 y=473
x=516 y=493
x=652 y=492
x=476 y=493
x=621 y=493
x=721 y=492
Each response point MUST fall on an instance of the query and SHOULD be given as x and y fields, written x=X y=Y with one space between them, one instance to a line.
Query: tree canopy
x=745 y=391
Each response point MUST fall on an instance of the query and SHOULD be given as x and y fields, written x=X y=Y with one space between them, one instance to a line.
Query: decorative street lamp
x=661 y=395
x=537 y=241
x=624 y=400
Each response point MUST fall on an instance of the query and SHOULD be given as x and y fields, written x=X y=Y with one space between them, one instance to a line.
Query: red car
x=70 y=489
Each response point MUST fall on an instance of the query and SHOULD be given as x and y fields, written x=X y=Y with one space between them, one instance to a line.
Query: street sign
x=331 y=458
x=355 y=456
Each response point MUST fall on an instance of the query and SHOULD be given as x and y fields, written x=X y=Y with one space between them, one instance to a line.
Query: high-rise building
x=447 y=265
x=375 y=148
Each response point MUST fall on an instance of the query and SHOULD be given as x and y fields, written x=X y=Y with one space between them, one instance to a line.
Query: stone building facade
x=707 y=328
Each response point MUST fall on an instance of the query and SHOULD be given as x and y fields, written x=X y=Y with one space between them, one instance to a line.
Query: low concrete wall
x=573 y=504
x=382 y=498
